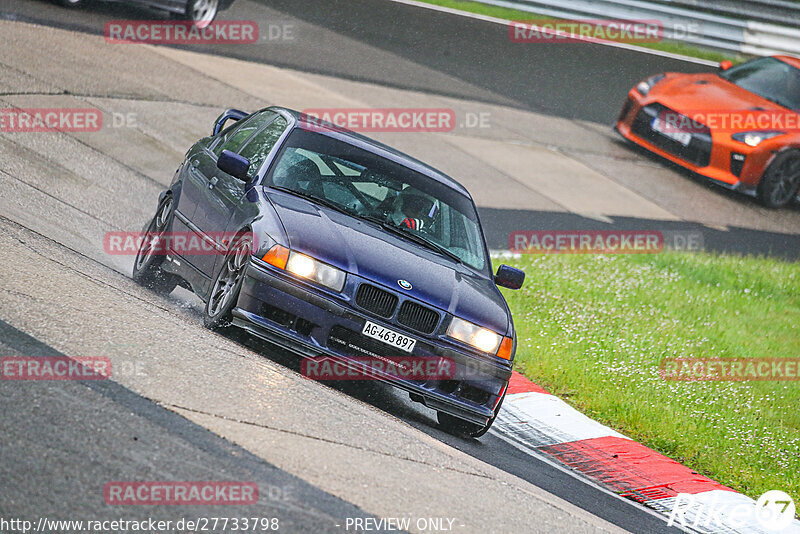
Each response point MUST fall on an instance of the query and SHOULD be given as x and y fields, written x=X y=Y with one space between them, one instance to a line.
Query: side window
x=257 y=149
x=223 y=135
x=233 y=138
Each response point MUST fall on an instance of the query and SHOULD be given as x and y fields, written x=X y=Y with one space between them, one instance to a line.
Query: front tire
x=227 y=285
x=458 y=427
x=779 y=185
x=147 y=265
x=464 y=429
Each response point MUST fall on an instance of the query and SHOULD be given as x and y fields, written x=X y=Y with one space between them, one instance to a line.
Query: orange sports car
x=739 y=127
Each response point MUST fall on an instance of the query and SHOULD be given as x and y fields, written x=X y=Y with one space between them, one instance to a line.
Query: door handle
x=212 y=182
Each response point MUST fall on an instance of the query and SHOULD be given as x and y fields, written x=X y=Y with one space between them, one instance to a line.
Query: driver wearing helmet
x=414 y=210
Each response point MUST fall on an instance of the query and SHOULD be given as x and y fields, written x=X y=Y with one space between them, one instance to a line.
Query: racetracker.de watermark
x=55 y=368
x=591 y=30
x=154 y=493
x=43 y=120
x=120 y=243
x=602 y=241
x=701 y=121
x=415 y=368
x=729 y=369
x=50 y=120
x=181 y=32
x=380 y=119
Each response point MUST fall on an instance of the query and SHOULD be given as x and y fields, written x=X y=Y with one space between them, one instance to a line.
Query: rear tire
x=227 y=285
x=779 y=185
x=200 y=12
x=147 y=265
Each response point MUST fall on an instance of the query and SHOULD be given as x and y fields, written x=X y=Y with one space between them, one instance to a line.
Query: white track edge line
x=506 y=22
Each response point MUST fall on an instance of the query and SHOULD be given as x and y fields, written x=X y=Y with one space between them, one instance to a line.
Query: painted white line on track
x=506 y=22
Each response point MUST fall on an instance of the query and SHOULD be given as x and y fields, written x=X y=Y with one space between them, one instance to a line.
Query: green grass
x=516 y=14
x=593 y=329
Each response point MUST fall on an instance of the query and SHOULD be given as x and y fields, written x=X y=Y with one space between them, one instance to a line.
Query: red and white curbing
x=533 y=419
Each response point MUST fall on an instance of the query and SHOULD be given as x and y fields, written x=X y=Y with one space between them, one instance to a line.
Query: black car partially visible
x=198 y=11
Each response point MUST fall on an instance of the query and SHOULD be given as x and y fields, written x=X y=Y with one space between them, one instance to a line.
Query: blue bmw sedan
x=341 y=249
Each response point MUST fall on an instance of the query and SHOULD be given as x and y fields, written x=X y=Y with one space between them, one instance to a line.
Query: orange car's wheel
x=780 y=182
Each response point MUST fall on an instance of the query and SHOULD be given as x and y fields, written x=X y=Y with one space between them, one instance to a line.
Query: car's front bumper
x=730 y=164
x=303 y=323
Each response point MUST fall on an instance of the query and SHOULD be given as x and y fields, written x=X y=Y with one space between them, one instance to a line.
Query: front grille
x=417 y=317
x=376 y=300
x=697 y=152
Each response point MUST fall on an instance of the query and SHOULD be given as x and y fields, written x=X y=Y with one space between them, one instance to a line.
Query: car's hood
x=702 y=93
x=364 y=249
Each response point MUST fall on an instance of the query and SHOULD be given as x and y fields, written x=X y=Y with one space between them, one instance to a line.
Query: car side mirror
x=234 y=114
x=234 y=164
x=725 y=65
x=509 y=277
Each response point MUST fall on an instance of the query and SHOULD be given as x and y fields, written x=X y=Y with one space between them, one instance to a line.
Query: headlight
x=301 y=265
x=306 y=267
x=645 y=86
x=755 y=138
x=474 y=335
x=321 y=273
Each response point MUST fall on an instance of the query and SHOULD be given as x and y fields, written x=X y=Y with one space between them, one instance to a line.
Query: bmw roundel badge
x=405 y=284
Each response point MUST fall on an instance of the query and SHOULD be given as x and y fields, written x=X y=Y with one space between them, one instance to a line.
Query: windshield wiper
x=399 y=230
x=433 y=246
x=314 y=198
x=787 y=104
x=774 y=100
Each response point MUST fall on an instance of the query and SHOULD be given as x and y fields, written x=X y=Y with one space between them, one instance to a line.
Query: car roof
x=376 y=147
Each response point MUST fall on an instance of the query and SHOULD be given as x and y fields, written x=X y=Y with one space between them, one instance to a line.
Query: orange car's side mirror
x=725 y=65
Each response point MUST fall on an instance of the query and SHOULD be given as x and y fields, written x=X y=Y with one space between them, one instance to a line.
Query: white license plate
x=683 y=138
x=390 y=337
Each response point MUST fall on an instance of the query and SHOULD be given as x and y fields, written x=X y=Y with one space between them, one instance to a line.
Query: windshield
x=769 y=78
x=368 y=186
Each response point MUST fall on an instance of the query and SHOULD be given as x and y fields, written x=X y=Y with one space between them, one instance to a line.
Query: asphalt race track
x=189 y=404
x=401 y=46
x=425 y=51
x=130 y=438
